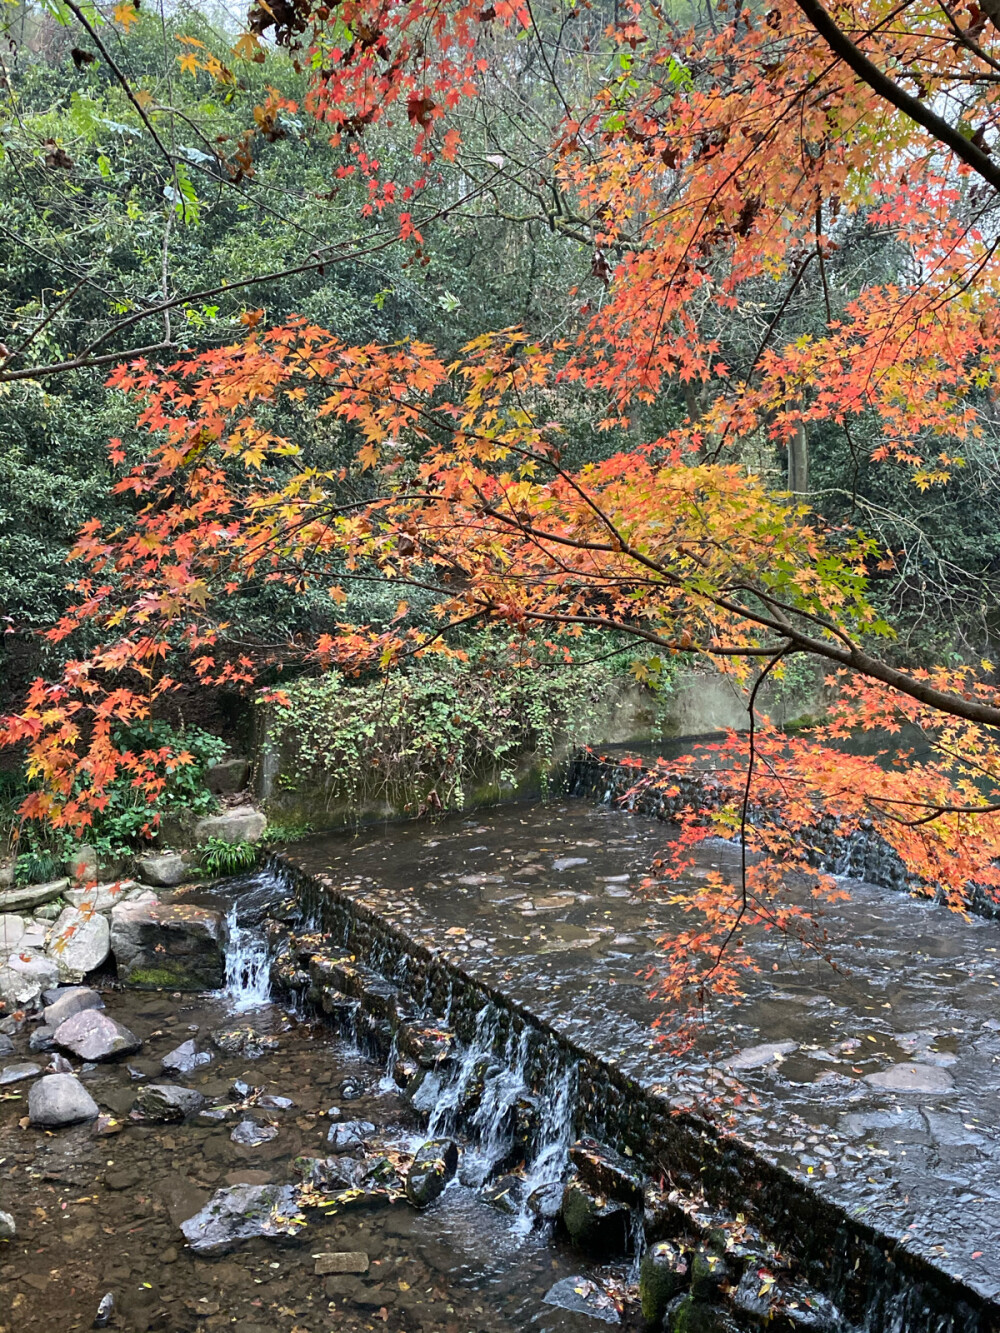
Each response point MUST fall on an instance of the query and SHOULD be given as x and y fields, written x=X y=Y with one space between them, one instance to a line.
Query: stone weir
x=862 y=854
x=733 y=1238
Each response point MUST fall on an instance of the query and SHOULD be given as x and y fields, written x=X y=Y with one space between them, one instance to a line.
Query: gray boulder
x=82 y=866
x=349 y=1136
x=172 y=945
x=18 y=1072
x=72 y=1000
x=242 y=824
x=92 y=1034
x=79 y=942
x=228 y=776
x=581 y=1295
x=433 y=1165
x=165 y=870
x=11 y=931
x=60 y=1099
x=23 y=977
x=241 y=1213
x=166 y=1102
x=32 y=895
x=100 y=897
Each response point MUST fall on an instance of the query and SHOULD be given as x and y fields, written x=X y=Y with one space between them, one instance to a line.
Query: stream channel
x=841 y=1123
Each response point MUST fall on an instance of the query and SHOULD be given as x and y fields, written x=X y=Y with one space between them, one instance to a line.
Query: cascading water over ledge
x=498 y=1050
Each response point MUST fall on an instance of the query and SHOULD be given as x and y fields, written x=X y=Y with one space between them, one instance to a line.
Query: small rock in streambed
x=344 y=1261
x=351 y=1090
x=58 y=1065
x=504 y=1193
x=244 y=1041
x=349 y=1136
x=434 y=1164
x=757 y=1057
x=8 y=1227
x=580 y=1295
x=42 y=1039
x=593 y=1221
x=104 y=1311
x=67 y=1001
x=17 y=1073
x=60 y=1099
x=6 y=1045
x=240 y=1213
x=92 y=1034
x=275 y=1103
x=182 y=1059
x=166 y=1102
x=908 y=1077
x=249 y=1134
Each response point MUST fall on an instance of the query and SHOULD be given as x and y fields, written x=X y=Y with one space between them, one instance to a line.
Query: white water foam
x=248 y=973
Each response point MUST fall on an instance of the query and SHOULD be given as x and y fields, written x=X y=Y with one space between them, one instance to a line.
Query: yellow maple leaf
x=126 y=15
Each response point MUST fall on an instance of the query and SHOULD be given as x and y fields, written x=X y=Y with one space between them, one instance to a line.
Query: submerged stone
x=433 y=1165
x=249 y=1134
x=166 y=1102
x=348 y=1136
x=241 y=1213
x=756 y=1057
x=244 y=1041
x=909 y=1077
x=580 y=1295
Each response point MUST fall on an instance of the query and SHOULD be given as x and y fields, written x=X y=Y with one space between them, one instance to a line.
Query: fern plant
x=219 y=858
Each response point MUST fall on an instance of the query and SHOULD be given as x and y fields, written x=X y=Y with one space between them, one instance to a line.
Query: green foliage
x=279 y=832
x=37 y=867
x=220 y=858
x=424 y=737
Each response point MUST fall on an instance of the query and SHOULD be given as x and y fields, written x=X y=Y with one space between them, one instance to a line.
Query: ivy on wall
x=427 y=737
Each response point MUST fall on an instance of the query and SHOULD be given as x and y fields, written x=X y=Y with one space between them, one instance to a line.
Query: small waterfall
x=556 y=1132
x=248 y=975
x=491 y=1121
x=444 y=1116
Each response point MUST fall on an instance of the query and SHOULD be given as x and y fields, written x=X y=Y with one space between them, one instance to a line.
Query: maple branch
x=117 y=72
x=866 y=70
x=82 y=362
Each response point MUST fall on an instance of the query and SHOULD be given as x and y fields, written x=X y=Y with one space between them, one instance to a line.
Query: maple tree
x=711 y=160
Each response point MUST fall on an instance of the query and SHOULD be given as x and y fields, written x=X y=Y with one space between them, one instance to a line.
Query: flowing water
x=544 y=903
x=99 y=1211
